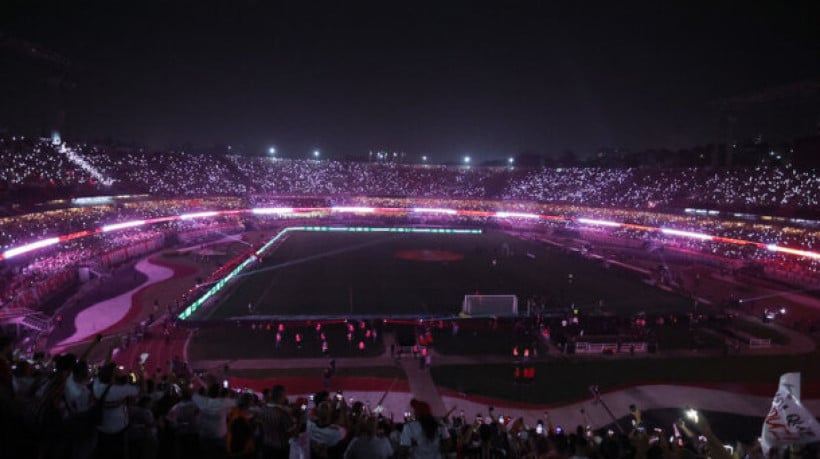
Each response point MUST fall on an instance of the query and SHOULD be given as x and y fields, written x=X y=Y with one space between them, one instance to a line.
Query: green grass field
x=568 y=380
x=355 y=273
x=242 y=342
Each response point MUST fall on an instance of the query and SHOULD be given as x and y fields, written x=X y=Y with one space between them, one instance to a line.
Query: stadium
x=252 y=283
x=268 y=302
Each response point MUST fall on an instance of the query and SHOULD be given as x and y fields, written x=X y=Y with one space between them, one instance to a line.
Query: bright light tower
x=316 y=154
x=271 y=151
x=424 y=159
x=510 y=160
x=467 y=159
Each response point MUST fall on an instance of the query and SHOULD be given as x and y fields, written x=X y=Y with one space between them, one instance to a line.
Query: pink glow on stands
x=431 y=210
x=78 y=235
x=590 y=221
x=475 y=213
x=153 y=221
x=728 y=240
x=198 y=215
x=387 y=210
x=640 y=227
x=123 y=225
x=356 y=210
x=29 y=247
x=515 y=215
x=689 y=234
x=272 y=210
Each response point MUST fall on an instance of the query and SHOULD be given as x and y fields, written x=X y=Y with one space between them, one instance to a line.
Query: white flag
x=788 y=422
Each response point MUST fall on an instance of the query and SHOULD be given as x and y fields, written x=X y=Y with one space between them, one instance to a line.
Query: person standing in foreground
x=424 y=437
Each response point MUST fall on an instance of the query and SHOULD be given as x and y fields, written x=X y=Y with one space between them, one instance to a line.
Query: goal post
x=490 y=305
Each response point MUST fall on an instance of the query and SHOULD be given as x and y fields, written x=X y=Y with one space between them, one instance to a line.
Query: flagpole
x=596 y=394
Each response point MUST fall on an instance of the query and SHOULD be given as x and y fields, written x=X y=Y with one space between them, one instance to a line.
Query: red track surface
x=136 y=300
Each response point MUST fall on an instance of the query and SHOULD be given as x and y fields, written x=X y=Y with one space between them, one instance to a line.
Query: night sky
x=442 y=78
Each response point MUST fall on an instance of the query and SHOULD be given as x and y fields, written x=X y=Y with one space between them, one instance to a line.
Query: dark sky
x=441 y=78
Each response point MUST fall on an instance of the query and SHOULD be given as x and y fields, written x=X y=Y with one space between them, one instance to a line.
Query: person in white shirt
x=424 y=437
x=213 y=419
x=110 y=388
x=323 y=433
x=78 y=403
x=366 y=444
x=77 y=394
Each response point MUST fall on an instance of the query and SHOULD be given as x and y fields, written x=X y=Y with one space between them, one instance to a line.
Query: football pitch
x=342 y=274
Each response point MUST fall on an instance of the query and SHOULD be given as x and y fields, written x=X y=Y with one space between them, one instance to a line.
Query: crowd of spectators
x=175 y=173
x=741 y=188
x=63 y=407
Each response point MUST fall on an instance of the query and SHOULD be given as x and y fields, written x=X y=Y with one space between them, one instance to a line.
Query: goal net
x=490 y=305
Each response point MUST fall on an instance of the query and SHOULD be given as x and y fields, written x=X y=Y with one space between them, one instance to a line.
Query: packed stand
x=63 y=407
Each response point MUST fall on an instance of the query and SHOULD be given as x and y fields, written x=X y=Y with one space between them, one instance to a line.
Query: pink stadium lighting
x=198 y=215
x=432 y=210
x=800 y=253
x=272 y=210
x=29 y=247
x=123 y=225
x=356 y=210
x=516 y=215
x=590 y=221
x=689 y=234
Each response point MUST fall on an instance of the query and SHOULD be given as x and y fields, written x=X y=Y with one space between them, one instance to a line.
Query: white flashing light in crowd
x=510 y=160
x=315 y=153
x=29 y=247
x=198 y=215
x=689 y=234
x=591 y=221
x=123 y=225
x=357 y=210
x=271 y=151
x=431 y=210
x=92 y=200
x=424 y=158
x=516 y=215
x=466 y=160
x=272 y=210
x=77 y=159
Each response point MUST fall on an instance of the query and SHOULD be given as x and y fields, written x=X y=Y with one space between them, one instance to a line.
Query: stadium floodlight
x=432 y=210
x=590 y=221
x=190 y=216
x=510 y=160
x=271 y=151
x=467 y=159
x=315 y=153
x=516 y=215
x=29 y=247
x=689 y=234
x=123 y=225
x=424 y=159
